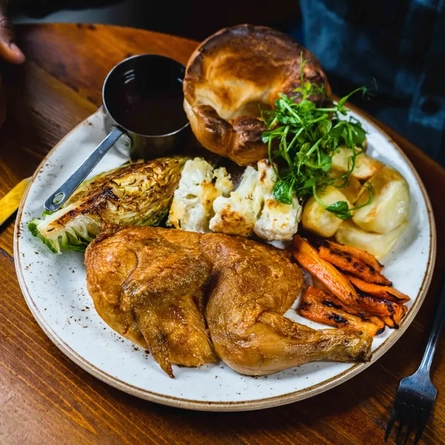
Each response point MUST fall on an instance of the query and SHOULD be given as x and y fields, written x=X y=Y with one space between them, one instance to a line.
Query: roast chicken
x=190 y=298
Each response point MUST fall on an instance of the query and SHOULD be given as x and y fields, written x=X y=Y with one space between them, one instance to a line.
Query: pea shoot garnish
x=302 y=138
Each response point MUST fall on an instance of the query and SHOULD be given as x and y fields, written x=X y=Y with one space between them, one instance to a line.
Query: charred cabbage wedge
x=137 y=194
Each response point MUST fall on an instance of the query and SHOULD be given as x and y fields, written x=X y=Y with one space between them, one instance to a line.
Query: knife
x=11 y=201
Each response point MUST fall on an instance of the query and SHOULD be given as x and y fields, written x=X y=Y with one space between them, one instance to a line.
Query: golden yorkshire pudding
x=234 y=72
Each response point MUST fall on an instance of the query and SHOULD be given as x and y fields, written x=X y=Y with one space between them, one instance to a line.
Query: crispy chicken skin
x=155 y=285
x=150 y=290
x=252 y=286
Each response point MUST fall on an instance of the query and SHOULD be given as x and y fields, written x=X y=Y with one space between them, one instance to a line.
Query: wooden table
x=47 y=399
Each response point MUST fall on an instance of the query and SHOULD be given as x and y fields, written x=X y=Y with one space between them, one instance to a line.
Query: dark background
x=195 y=19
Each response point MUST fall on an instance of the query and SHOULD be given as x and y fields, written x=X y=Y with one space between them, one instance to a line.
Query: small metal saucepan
x=143 y=101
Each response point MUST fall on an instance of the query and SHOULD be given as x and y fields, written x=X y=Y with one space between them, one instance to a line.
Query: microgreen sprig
x=302 y=139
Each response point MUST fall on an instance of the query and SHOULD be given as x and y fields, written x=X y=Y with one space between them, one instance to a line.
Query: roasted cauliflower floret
x=205 y=201
x=237 y=214
x=252 y=208
x=199 y=186
x=277 y=221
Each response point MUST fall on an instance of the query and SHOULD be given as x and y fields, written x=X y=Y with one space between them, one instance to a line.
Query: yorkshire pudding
x=234 y=72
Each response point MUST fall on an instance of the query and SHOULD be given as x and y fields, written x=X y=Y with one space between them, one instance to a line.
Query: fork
x=416 y=394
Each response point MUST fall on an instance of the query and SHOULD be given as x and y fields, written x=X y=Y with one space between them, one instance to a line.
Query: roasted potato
x=365 y=166
x=317 y=219
x=375 y=243
x=389 y=206
x=351 y=189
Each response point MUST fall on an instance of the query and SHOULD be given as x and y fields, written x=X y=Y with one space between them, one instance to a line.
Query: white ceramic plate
x=54 y=288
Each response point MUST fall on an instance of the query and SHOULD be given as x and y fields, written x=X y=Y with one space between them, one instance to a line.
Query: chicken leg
x=253 y=286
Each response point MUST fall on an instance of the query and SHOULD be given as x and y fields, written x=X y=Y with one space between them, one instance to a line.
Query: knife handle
x=11 y=201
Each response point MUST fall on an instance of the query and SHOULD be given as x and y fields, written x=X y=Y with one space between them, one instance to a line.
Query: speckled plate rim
x=248 y=405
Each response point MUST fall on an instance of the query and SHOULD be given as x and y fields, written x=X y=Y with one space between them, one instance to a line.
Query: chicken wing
x=151 y=291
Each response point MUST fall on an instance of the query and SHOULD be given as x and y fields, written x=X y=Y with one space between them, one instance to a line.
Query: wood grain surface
x=47 y=399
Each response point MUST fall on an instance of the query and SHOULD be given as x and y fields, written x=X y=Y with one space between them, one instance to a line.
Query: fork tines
x=412 y=408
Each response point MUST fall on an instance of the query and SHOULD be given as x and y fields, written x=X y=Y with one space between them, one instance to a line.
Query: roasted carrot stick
x=354 y=266
x=353 y=309
x=389 y=311
x=396 y=318
x=332 y=278
x=354 y=302
x=319 y=306
x=385 y=292
x=360 y=254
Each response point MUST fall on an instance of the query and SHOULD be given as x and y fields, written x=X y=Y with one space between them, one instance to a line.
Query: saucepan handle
x=59 y=197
